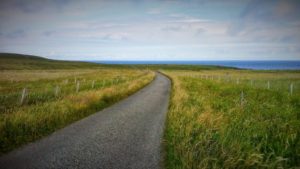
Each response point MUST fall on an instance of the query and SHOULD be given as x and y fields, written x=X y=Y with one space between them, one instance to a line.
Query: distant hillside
x=9 y=61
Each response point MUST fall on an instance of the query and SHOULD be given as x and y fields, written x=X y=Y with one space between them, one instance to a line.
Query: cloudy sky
x=152 y=29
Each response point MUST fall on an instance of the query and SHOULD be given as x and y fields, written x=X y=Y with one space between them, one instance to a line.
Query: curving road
x=125 y=135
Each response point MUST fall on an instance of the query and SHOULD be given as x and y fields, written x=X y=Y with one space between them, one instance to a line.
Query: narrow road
x=125 y=135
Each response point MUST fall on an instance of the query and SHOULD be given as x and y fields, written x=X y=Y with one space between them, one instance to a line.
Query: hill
x=10 y=61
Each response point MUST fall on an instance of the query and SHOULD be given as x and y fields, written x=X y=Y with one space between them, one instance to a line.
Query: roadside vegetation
x=233 y=119
x=36 y=102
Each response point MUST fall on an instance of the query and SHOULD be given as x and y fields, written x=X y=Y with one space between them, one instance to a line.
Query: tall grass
x=210 y=126
x=52 y=85
x=44 y=112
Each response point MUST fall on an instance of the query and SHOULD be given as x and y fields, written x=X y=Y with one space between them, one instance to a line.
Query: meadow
x=218 y=117
x=233 y=119
x=36 y=102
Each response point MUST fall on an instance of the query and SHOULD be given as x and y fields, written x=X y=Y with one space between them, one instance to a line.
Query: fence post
x=242 y=98
x=291 y=88
x=56 y=91
x=93 y=84
x=24 y=93
x=237 y=81
x=268 y=85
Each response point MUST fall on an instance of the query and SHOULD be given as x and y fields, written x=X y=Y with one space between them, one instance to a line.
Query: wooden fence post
x=24 y=94
x=242 y=98
x=93 y=84
x=56 y=91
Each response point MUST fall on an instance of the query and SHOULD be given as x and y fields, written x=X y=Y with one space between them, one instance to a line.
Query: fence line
x=257 y=84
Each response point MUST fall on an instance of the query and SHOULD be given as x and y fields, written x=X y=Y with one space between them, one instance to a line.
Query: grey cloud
x=32 y=6
x=277 y=13
x=29 y=6
x=257 y=9
x=49 y=33
x=272 y=10
x=290 y=39
x=15 y=34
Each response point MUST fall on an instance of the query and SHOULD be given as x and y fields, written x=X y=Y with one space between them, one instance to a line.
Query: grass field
x=218 y=117
x=233 y=119
x=56 y=97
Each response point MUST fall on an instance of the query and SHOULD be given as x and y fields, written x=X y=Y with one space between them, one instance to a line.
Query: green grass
x=44 y=110
x=210 y=126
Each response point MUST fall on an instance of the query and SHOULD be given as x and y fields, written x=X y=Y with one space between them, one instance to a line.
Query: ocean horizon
x=254 y=65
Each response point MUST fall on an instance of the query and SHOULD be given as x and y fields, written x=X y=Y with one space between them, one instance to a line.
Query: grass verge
x=211 y=124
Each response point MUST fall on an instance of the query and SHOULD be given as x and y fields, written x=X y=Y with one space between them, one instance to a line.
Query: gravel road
x=125 y=135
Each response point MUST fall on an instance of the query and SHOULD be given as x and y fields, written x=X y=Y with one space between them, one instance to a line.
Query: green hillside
x=9 y=61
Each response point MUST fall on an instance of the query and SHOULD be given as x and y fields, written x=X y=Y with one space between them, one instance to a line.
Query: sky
x=152 y=29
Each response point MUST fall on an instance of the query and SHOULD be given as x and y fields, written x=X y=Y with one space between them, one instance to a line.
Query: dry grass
x=35 y=75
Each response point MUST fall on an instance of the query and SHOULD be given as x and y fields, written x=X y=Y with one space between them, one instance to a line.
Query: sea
x=254 y=65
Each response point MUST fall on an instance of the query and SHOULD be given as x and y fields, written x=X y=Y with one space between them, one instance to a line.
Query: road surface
x=125 y=135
